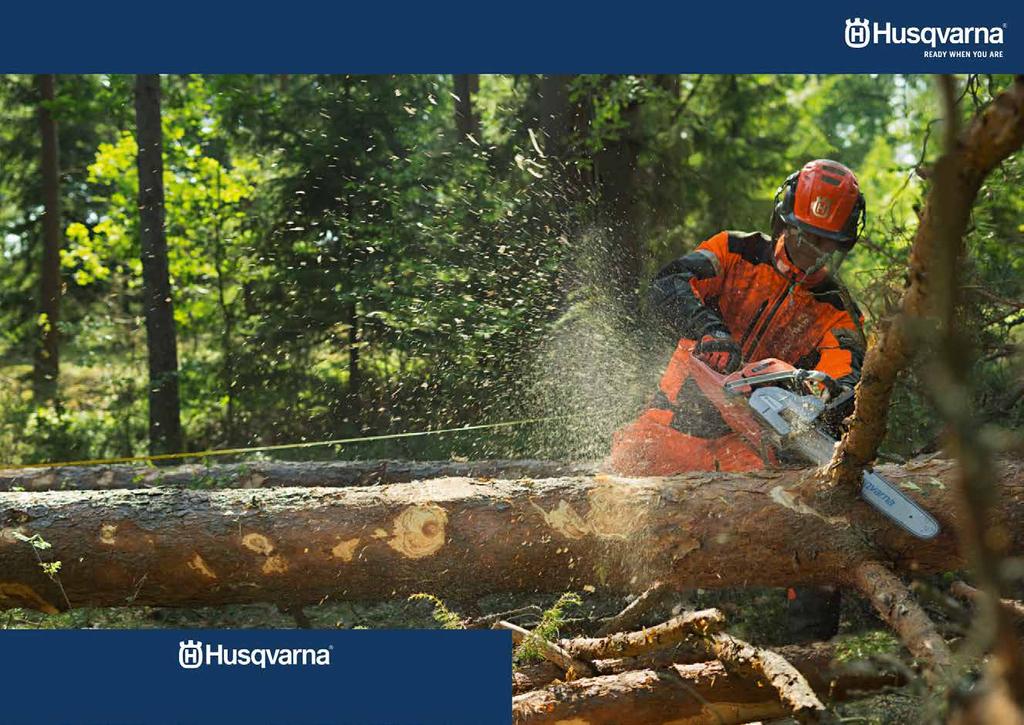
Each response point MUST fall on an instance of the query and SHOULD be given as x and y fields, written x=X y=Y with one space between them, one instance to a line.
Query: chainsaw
x=764 y=404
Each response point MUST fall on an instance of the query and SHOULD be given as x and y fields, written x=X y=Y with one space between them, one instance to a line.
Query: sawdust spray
x=598 y=366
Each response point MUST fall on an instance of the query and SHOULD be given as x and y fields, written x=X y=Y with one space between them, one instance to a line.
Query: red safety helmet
x=822 y=198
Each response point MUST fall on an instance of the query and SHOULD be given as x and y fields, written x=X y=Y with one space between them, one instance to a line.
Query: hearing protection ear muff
x=782 y=205
x=855 y=224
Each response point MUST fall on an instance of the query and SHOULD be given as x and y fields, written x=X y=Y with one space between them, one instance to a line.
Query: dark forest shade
x=467 y=123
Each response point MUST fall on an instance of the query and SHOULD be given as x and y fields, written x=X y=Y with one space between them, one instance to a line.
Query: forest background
x=353 y=256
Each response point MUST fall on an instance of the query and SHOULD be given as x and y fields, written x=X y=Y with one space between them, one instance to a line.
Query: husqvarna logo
x=861 y=32
x=821 y=207
x=193 y=654
x=190 y=654
x=858 y=34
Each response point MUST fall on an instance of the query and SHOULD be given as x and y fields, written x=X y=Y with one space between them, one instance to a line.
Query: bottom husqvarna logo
x=190 y=654
x=193 y=654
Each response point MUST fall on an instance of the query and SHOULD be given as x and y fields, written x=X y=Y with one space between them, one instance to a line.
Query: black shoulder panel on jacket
x=828 y=292
x=754 y=247
x=695 y=264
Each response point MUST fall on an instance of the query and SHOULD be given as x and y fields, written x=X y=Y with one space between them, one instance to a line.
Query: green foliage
x=344 y=264
x=442 y=615
x=866 y=645
x=548 y=629
x=50 y=568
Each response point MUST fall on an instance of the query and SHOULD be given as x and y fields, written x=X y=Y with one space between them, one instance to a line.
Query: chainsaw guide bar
x=790 y=418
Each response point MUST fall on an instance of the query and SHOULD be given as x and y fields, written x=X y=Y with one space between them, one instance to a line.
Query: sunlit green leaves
x=342 y=261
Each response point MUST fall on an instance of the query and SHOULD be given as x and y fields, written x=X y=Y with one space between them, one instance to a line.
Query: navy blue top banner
x=356 y=677
x=549 y=37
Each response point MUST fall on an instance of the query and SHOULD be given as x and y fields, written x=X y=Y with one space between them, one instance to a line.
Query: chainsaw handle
x=796 y=375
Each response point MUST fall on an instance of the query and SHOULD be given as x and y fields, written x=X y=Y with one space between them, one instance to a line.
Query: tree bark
x=993 y=135
x=161 y=336
x=693 y=694
x=46 y=366
x=273 y=474
x=981 y=530
x=897 y=607
x=772 y=669
x=699 y=631
x=463 y=538
x=467 y=122
x=559 y=116
x=635 y=612
x=630 y=644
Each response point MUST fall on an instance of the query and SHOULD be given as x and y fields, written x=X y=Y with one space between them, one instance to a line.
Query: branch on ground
x=573 y=667
x=686 y=626
x=895 y=603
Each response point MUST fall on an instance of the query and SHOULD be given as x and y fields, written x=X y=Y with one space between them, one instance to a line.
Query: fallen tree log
x=700 y=632
x=271 y=474
x=634 y=612
x=898 y=608
x=461 y=538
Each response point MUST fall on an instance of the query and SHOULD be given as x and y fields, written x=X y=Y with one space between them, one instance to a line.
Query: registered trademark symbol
x=330 y=646
x=1005 y=25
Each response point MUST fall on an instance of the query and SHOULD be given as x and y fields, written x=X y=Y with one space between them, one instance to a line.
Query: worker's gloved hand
x=835 y=393
x=719 y=351
x=818 y=389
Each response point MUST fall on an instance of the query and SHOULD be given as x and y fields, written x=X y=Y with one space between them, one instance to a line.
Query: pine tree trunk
x=47 y=361
x=467 y=122
x=164 y=406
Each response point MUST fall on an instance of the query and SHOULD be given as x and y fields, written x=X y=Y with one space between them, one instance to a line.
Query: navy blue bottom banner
x=341 y=677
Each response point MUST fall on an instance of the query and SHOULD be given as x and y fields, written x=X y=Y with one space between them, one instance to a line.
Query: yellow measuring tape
x=281 y=447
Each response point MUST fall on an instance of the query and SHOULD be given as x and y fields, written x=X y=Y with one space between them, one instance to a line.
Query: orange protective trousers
x=649 y=446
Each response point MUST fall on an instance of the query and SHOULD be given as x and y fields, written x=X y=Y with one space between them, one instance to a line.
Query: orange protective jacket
x=742 y=283
x=746 y=283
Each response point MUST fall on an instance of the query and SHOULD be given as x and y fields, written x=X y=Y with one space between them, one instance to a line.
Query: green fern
x=442 y=614
x=548 y=629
